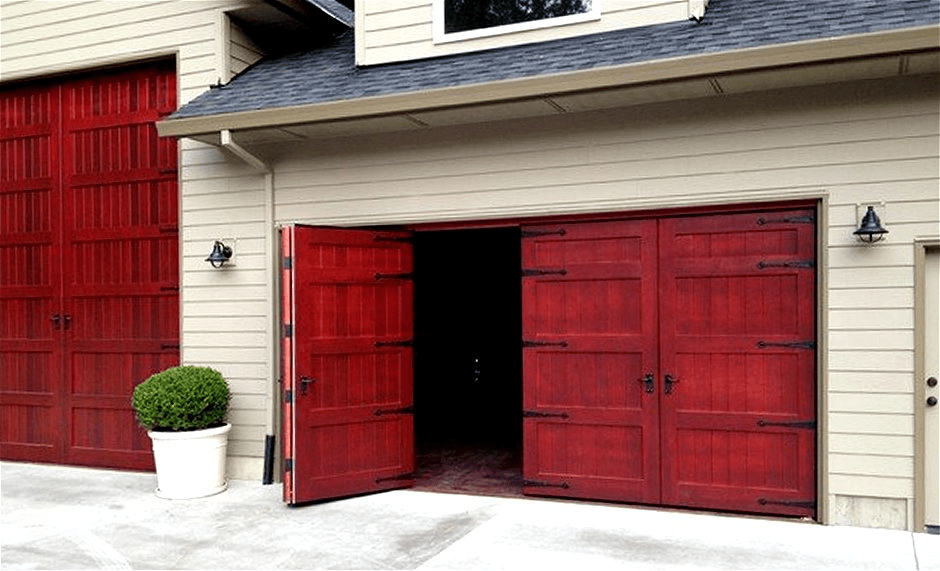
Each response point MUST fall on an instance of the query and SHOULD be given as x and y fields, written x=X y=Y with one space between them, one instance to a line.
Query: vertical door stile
x=288 y=381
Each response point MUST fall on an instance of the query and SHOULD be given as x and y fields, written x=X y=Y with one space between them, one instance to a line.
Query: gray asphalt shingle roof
x=330 y=73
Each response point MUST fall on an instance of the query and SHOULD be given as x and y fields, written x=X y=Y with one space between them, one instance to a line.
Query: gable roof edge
x=683 y=67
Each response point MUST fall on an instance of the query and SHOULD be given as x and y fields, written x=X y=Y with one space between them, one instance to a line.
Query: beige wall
x=397 y=30
x=855 y=144
x=49 y=37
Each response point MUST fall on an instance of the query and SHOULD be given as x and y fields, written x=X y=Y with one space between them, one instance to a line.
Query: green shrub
x=182 y=398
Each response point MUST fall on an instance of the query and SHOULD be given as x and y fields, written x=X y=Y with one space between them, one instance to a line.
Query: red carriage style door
x=671 y=361
x=737 y=340
x=30 y=277
x=590 y=419
x=89 y=263
x=348 y=334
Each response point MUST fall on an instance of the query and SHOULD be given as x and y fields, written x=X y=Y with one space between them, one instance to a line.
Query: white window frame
x=440 y=37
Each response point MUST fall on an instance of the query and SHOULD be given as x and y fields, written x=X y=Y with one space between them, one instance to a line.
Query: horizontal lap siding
x=399 y=30
x=858 y=143
x=225 y=315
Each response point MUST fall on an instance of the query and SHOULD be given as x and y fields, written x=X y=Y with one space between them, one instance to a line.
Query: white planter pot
x=190 y=464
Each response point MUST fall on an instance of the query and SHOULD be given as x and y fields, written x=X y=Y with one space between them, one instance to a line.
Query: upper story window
x=466 y=19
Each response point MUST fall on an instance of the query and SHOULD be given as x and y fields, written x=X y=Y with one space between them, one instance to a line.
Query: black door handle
x=304 y=381
x=56 y=321
x=647 y=381
x=668 y=383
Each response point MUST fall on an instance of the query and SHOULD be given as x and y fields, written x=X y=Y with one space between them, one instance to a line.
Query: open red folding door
x=347 y=312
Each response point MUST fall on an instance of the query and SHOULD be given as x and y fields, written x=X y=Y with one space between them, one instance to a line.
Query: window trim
x=441 y=37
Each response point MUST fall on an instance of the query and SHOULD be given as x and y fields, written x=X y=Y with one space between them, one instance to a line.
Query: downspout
x=228 y=143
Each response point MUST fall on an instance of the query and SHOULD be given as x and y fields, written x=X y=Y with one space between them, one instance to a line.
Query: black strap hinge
x=398 y=276
x=528 y=273
x=402 y=410
x=530 y=343
x=791 y=503
x=289 y=397
x=288 y=263
x=788 y=423
x=288 y=330
x=541 y=484
x=408 y=476
x=787 y=220
x=787 y=344
x=537 y=414
x=288 y=465
x=400 y=343
x=537 y=233
x=787 y=264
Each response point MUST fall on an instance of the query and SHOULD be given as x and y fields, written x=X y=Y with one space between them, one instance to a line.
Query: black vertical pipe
x=268 y=460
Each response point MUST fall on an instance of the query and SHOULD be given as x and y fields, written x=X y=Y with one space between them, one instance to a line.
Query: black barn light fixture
x=870 y=230
x=220 y=254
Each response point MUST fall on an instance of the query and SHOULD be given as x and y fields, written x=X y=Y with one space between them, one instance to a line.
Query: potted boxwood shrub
x=184 y=410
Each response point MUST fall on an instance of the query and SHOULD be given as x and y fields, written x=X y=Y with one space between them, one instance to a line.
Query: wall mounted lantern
x=220 y=254
x=870 y=230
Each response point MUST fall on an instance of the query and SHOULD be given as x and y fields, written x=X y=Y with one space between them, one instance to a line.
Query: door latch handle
x=647 y=381
x=68 y=321
x=304 y=381
x=669 y=381
x=56 y=321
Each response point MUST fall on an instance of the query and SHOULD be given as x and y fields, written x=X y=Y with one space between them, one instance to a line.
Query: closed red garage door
x=671 y=361
x=89 y=268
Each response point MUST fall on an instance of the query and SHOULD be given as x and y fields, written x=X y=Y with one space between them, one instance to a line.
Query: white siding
x=397 y=30
x=862 y=143
x=242 y=51
x=225 y=315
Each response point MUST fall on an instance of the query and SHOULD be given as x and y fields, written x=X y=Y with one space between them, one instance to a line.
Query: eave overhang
x=789 y=55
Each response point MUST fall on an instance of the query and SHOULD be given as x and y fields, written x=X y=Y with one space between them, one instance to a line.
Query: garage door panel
x=589 y=450
x=576 y=379
x=601 y=461
x=29 y=432
x=741 y=382
x=739 y=459
x=585 y=307
x=345 y=380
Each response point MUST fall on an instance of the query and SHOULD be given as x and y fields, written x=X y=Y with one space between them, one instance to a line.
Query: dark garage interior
x=468 y=361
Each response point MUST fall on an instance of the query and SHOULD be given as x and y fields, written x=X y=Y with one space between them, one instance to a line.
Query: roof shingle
x=330 y=73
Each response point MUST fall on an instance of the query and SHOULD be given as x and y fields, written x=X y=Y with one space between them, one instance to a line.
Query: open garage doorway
x=468 y=368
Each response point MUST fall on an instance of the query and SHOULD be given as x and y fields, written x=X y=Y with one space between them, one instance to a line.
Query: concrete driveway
x=56 y=517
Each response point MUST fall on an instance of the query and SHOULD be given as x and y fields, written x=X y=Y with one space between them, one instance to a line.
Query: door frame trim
x=921 y=245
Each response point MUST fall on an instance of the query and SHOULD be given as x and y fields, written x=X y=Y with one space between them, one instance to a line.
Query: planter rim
x=187 y=434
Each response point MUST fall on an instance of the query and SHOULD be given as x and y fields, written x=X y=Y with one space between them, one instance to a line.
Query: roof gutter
x=748 y=59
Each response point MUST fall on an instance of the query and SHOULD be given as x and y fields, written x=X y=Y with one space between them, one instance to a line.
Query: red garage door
x=89 y=267
x=672 y=361
x=348 y=408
